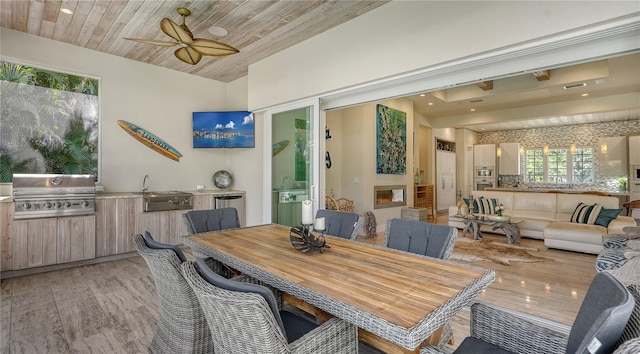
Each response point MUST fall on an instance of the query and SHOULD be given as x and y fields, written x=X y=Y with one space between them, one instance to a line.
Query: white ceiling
x=516 y=102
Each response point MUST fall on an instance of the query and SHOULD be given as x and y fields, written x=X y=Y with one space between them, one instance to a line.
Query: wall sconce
x=521 y=150
x=499 y=152
x=604 y=148
x=545 y=150
x=573 y=149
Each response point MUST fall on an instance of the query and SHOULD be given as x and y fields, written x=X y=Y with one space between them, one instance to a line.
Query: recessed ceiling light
x=218 y=31
x=430 y=103
x=422 y=95
x=66 y=11
x=585 y=95
x=472 y=109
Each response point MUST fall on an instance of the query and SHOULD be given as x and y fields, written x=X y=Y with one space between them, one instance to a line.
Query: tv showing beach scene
x=233 y=129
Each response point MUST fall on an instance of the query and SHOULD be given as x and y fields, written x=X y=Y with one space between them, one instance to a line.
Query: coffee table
x=507 y=225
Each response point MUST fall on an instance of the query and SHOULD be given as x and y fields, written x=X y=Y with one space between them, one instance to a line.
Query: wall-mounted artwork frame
x=391 y=141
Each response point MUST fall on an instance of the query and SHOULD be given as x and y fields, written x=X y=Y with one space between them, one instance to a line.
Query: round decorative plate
x=222 y=179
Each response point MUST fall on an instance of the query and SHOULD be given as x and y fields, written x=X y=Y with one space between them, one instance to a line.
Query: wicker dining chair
x=603 y=315
x=419 y=237
x=246 y=321
x=181 y=326
x=207 y=220
x=340 y=223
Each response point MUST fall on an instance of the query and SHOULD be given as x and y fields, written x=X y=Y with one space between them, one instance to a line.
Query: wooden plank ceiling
x=258 y=28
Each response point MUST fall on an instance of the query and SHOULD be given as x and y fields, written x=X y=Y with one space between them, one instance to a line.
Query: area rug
x=480 y=250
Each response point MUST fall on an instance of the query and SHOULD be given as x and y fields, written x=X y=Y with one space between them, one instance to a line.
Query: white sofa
x=547 y=216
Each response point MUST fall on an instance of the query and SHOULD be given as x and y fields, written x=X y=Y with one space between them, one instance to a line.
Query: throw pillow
x=487 y=206
x=586 y=214
x=606 y=215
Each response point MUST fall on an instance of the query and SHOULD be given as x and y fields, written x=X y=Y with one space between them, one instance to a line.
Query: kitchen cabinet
x=484 y=155
x=634 y=150
x=613 y=162
x=445 y=179
x=46 y=241
x=6 y=215
x=509 y=159
x=290 y=214
x=116 y=223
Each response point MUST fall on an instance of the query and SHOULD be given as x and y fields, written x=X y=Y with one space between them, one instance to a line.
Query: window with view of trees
x=559 y=166
x=48 y=122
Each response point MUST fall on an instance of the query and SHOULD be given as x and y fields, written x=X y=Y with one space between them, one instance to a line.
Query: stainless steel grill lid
x=47 y=195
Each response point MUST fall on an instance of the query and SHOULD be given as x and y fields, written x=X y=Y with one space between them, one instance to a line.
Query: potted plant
x=623 y=184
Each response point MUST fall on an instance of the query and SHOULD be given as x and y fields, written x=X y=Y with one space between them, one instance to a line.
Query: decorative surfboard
x=150 y=140
x=279 y=146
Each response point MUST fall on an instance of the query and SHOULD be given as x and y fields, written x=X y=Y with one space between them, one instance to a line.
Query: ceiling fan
x=191 y=49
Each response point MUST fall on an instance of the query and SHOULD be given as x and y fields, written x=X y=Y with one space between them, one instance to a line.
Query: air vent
x=569 y=87
x=476 y=101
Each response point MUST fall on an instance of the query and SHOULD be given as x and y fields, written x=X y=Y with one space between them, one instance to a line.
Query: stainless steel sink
x=162 y=201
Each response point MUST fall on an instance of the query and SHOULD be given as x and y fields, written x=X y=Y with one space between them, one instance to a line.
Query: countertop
x=216 y=192
x=542 y=190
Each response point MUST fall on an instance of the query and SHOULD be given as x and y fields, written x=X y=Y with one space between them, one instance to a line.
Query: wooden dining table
x=401 y=297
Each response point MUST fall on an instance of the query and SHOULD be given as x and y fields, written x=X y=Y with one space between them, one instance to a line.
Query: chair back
x=198 y=221
x=419 y=237
x=243 y=320
x=602 y=317
x=339 y=223
x=181 y=327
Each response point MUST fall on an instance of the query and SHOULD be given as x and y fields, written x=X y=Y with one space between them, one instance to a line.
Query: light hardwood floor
x=111 y=307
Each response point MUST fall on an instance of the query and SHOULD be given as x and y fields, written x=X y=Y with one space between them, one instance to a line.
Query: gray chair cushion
x=477 y=346
x=418 y=237
x=338 y=223
x=151 y=243
x=213 y=219
x=219 y=281
x=603 y=315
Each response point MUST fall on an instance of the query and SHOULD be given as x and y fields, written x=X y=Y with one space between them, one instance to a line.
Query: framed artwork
x=391 y=141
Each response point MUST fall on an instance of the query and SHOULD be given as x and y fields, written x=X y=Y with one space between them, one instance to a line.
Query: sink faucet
x=144 y=183
x=284 y=180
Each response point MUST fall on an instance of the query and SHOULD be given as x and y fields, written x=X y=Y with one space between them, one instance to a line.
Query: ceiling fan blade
x=150 y=41
x=174 y=31
x=212 y=48
x=188 y=55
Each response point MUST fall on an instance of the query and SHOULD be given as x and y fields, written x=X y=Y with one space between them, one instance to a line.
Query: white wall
x=403 y=36
x=154 y=98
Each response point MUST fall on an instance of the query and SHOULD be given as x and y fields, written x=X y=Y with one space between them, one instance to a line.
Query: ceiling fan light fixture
x=217 y=31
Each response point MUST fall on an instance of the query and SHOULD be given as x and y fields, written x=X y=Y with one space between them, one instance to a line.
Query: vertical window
x=582 y=163
x=557 y=166
x=535 y=165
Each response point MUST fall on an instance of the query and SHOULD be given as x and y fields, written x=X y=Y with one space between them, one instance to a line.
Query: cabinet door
x=34 y=242
x=634 y=150
x=76 y=238
x=203 y=202
x=6 y=246
x=613 y=162
x=510 y=159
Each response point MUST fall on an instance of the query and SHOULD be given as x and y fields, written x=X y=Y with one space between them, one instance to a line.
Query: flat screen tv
x=234 y=129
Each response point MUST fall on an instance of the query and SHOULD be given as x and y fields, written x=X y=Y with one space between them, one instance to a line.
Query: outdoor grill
x=51 y=195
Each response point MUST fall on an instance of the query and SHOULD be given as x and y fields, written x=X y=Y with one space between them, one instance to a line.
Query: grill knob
x=67 y=204
x=48 y=205
x=85 y=203
x=58 y=205
x=26 y=205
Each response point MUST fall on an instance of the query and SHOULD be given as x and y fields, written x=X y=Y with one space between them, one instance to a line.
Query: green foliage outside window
x=560 y=166
x=48 y=122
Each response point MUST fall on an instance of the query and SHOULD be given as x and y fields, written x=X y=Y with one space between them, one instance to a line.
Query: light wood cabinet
x=634 y=150
x=484 y=155
x=423 y=197
x=6 y=246
x=116 y=223
x=613 y=162
x=46 y=241
x=509 y=159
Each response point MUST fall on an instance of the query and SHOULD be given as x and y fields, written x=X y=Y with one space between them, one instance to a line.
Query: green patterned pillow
x=487 y=206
